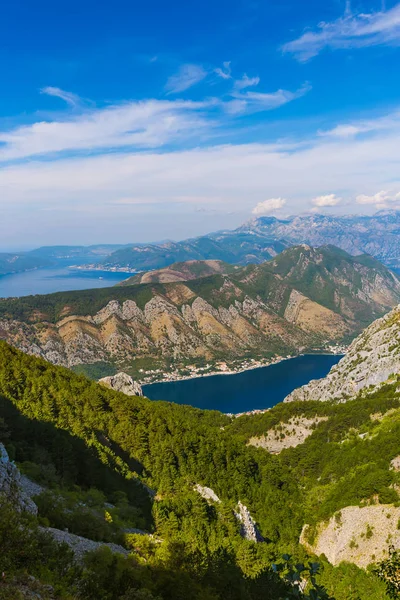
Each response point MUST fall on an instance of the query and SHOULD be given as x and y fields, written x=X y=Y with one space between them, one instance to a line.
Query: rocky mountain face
x=372 y=359
x=377 y=235
x=264 y=237
x=303 y=299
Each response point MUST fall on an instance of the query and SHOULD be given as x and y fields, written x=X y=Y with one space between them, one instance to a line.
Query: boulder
x=122 y=382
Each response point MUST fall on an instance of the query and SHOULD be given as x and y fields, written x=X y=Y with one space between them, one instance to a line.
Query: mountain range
x=304 y=299
x=264 y=237
x=257 y=240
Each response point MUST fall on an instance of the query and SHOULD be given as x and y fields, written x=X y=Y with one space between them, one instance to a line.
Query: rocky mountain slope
x=263 y=237
x=303 y=299
x=376 y=235
x=372 y=359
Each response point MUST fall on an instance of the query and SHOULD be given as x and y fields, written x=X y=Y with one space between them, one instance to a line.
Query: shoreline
x=243 y=369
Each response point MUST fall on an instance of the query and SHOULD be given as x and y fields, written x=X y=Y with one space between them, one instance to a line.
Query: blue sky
x=127 y=121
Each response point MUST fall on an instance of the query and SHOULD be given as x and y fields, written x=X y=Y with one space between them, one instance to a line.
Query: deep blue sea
x=56 y=279
x=249 y=390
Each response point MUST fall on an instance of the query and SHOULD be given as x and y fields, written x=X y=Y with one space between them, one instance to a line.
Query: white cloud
x=327 y=200
x=187 y=76
x=226 y=178
x=268 y=206
x=381 y=199
x=135 y=125
x=245 y=82
x=225 y=71
x=251 y=102
x=147 y=124
x=68 y=97
x=345 y=130
x=349 y=31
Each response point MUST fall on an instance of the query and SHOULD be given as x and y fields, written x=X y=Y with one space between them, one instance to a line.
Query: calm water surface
x=256 y=388
x=57 y=279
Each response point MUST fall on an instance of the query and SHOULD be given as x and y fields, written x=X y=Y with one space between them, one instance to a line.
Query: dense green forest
x=92 y=448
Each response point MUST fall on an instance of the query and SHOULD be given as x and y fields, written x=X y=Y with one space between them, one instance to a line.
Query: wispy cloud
x=68 y=97
x=266 y=207
x=327 y=200
x=245 y=82
x=225 y=72
x=232 y=177
x=251 y=102
x=187 y=76
x=349 y=31
x=146 y=124
x=363 y=126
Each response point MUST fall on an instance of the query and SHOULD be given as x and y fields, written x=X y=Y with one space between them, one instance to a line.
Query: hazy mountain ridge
x=53 y=256
x=256 y=311
x=257 y=240
x=231 y=246
x=14 y=263
x=261 y=238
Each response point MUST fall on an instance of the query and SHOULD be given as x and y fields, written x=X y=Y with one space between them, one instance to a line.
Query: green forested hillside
x=56 y=419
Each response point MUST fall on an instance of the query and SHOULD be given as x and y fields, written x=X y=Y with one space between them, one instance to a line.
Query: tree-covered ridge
x=171 y=448
x=181 y=271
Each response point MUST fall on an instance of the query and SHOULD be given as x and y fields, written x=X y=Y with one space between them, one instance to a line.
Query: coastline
x=241 y=369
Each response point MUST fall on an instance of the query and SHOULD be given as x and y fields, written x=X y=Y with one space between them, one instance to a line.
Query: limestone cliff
x=371 y=359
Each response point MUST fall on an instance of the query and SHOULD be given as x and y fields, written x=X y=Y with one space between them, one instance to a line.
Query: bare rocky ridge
x=371 y=359
x=81 y=545
x=358 y=535
x=249 y=530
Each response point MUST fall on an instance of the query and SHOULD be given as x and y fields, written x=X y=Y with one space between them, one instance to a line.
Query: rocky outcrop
x=121 y=382
x=81 y=545
x=370 y=360
x=11 y=486
x=287 y=435
x=206 y=493
x=358 y=535
x=249 y=529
